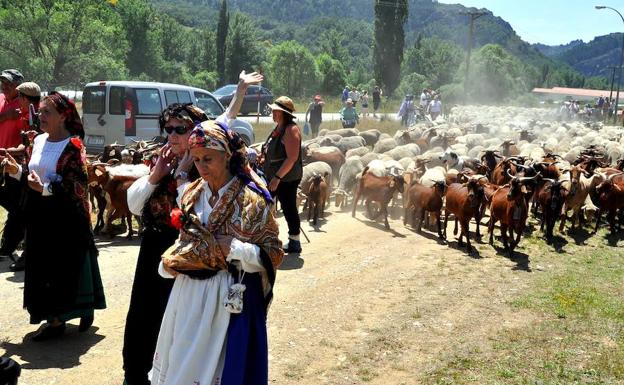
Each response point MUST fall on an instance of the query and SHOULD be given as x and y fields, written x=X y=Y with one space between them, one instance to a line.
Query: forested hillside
x=302 y=47
x=593 y=58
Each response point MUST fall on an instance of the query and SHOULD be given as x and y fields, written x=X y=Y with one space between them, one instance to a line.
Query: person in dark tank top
x=283 y=166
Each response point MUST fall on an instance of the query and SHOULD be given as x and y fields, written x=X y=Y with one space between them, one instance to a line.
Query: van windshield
x=94 y=100
x=225 y=90
x=211 y=107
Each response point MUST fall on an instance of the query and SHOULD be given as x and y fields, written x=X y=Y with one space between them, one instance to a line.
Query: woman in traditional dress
x=153 y=197
x=62 y=278
x=214 y=329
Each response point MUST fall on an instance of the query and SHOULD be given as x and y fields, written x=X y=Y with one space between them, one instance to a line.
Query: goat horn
x=549 y=180
x=610 y=177
x=526 y=178
x=511 y=176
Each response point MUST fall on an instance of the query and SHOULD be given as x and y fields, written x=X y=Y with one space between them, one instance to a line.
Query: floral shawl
x=240 y=213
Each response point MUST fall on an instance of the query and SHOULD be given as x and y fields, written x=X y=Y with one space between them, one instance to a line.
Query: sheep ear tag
x=234 y=301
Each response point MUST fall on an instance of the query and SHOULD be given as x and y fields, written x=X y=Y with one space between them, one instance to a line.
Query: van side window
x=149 y=101
x=172 y=96
x=93 y=100
x=211 y=107
x=184 y=97
x=116 y=101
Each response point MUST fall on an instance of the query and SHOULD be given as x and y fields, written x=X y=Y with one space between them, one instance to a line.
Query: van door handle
x=100 y=120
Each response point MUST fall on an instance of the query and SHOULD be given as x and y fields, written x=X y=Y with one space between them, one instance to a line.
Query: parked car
x=122 y=111
x=250 y=103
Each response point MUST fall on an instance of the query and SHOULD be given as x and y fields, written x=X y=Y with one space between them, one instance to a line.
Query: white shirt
x=435 y=106
x=45 y=156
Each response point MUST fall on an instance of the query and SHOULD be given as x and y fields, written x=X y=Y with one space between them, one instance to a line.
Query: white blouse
x=43 y=161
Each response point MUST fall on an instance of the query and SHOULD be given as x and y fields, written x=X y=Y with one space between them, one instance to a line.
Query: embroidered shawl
x=240 y=213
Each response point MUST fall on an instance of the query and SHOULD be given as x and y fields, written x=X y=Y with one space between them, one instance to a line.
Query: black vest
x=275 y=155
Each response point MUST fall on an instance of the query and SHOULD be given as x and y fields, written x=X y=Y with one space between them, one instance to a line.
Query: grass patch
x=578 y=333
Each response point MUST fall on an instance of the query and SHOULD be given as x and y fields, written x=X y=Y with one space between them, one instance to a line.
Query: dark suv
x=250 y=104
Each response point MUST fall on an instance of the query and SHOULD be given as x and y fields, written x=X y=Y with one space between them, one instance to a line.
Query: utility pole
x=474 y=15
x=613 y=68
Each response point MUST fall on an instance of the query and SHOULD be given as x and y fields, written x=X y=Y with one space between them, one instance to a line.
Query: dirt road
x=361 y=304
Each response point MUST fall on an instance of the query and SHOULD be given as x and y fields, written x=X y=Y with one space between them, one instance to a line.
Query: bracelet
x=278 y=177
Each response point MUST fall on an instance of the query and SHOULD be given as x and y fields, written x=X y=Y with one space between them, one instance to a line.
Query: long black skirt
x=62 y=277
x=150 y=293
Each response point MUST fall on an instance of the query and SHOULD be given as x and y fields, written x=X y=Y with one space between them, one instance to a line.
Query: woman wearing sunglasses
x=153 y=197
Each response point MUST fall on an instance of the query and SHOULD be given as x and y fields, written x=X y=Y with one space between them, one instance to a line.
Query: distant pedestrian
x=406 y=110
x=348 y=115
x=376 y=99
x=345 y=94
x=365 y=104
x=315 y=111
x=435 y=107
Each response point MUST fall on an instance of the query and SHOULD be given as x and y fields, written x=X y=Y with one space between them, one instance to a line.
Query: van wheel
x=266 y=110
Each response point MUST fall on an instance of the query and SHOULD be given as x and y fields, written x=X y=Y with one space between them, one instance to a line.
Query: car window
x=149 y=101
x=116 y=101
x=225 y=90
x=265 y=91
x=211 y=107
x=93 y=100
x=171 y=97
x=184 y=97
x=252 y=90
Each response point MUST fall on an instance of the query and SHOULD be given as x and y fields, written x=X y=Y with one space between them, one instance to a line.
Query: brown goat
x=421 y=199
x=610 y=198
x=115 y=188
x=551 y=198
x=377 y=189
x=318 y=196
x=464 y=201
x=509 y=206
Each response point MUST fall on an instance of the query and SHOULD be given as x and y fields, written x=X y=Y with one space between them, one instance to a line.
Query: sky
x=554 y=22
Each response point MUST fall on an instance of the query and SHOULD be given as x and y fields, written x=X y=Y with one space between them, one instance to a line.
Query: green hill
x=591 y=59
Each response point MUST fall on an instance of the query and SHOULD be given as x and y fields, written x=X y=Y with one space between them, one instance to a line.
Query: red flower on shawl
x=177 y=217
x=76 y=142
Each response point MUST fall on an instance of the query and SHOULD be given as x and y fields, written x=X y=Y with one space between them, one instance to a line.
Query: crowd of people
x=601 y=109
x=210 y=245
x=429 y=106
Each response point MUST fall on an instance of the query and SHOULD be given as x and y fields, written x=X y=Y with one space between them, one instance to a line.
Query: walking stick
x=304 y=234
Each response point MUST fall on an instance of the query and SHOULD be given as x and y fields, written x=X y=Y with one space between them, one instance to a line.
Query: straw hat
x=284 y=103
x=29 y=89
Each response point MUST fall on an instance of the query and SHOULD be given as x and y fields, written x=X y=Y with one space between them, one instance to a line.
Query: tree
x=62 y=42
x=496 y=76
x=292 y=68
x=436 y=59
x=332 y=74
x=145 y=54
x=222 y=33
x=243 y=50
x=390 y=17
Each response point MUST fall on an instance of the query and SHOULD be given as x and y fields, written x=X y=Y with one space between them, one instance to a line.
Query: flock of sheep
x=493 y=148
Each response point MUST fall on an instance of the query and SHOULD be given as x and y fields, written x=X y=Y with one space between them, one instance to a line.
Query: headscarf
x=216 y=135
x=188 y=113
x=67 y=108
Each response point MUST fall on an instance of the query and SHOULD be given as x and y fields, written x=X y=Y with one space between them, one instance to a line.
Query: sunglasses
x=180 y=130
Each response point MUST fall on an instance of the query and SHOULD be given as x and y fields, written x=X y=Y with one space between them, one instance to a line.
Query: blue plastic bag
x=306 y=129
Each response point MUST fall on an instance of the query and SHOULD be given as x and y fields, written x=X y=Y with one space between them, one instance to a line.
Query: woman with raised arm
x=153 y=197
x=223 y=264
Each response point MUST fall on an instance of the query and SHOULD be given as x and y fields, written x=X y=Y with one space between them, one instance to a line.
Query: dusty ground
x=361 y=304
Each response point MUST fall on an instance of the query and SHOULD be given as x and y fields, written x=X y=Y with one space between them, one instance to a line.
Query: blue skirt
x=246 y=354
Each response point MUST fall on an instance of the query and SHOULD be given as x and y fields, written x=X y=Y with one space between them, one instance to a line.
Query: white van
x=122 y=111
